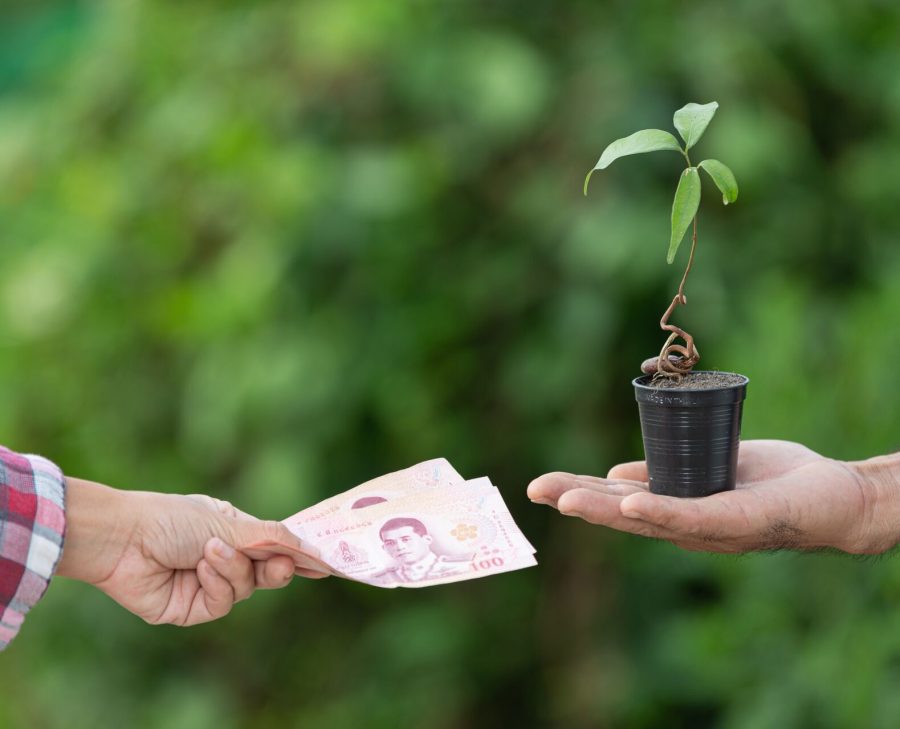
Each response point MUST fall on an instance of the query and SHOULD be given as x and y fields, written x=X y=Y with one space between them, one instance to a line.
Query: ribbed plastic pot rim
x=644 y=386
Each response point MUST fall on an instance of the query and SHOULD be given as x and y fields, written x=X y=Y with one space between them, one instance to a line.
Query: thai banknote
x=434 y=474
x=418 y=527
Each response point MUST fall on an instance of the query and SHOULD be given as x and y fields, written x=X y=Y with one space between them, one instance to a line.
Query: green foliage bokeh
x=270 y=250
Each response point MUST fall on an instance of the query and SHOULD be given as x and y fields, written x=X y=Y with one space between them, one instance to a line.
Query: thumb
x=261 y=540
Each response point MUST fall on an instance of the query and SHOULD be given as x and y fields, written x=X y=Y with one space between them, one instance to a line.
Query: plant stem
x=678 y=366
x=690 y=263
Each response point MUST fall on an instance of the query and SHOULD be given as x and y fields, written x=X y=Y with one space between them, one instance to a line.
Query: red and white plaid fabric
x=32 y=525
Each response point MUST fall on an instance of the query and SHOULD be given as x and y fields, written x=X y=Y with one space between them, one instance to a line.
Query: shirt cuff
x=32 y=528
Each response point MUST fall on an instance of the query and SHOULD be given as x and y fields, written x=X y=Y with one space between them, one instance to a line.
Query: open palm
x=787 y=497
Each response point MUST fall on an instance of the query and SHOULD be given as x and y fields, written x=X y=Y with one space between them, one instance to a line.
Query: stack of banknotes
x=425 y=525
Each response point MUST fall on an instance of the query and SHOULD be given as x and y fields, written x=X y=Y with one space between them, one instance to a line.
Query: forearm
x=880 y=480
x=99 y=523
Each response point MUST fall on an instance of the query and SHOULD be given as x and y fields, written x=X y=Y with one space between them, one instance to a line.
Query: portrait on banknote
x=410 y=546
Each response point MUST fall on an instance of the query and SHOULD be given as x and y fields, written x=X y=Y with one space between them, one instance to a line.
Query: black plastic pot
x=691 y=436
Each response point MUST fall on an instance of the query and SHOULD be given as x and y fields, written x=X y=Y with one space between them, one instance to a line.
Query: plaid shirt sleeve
x=32 y=525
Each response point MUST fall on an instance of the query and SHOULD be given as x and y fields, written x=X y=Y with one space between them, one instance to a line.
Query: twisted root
x=674 y=360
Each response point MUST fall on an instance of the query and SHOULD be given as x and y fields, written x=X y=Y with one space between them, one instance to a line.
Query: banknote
x=434 y=474
x=419 y=527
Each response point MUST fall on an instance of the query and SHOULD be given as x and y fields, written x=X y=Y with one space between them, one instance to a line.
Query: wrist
x=99 y=524
x=879 y=479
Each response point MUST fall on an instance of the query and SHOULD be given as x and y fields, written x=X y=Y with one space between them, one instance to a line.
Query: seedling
x=677 y=360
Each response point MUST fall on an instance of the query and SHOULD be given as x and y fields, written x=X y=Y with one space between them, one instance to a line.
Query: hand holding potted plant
x=690 y=420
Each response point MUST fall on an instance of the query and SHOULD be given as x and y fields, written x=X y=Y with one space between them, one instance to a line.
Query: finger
x=226 y=508
x=310 y=574
x=547 y=489
x=223 y=507
x=307 y=560
x=261 y=551
x=261 y=540
x=614 y=487
x=273 y=573
x=632 y=471
x=604 y=509
x=214 y=599
x=233 y=566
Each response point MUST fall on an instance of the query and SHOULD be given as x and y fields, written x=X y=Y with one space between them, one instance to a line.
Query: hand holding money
x=171 y=558
x=422 y=526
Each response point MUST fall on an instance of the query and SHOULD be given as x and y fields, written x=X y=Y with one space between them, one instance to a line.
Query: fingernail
x=572 y=513
x=545 y=502
x=631 y=514
x=222 y=549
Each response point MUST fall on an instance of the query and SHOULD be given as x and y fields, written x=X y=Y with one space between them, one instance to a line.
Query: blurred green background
x=269 y=250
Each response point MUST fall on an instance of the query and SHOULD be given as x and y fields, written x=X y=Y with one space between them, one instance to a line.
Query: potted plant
x=690 y=420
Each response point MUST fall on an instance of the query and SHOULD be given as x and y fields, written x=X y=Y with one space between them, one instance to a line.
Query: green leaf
x=723 y=177
x=646 y=140
x=684 y=208
x=691 y=121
